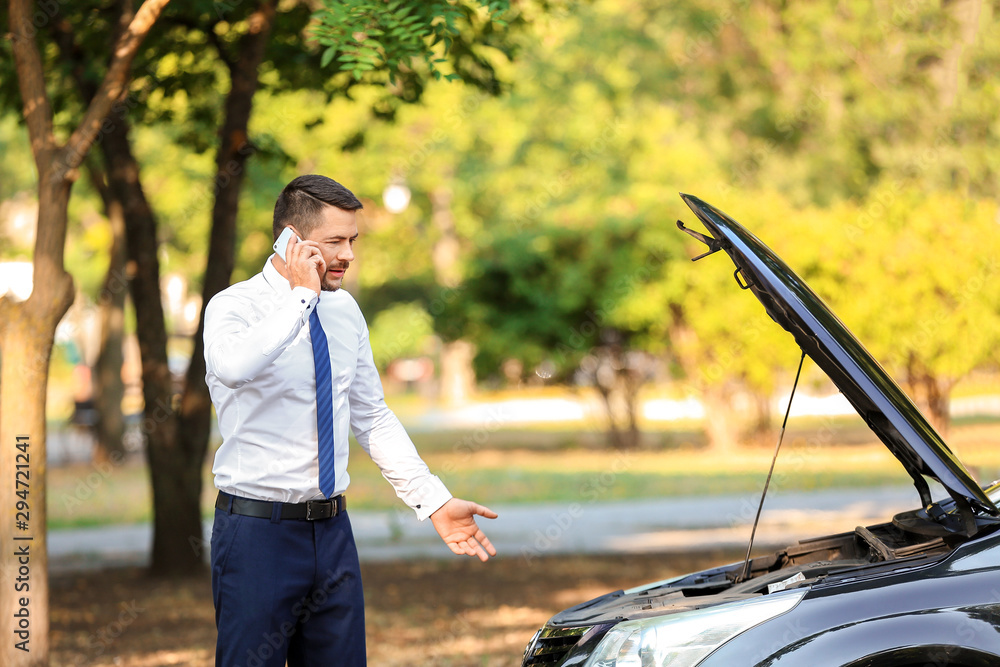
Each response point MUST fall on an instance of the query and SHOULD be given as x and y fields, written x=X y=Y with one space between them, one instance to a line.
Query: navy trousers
x=286 y=590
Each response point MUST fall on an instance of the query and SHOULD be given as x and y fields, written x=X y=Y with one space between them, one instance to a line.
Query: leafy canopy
x=366 y=36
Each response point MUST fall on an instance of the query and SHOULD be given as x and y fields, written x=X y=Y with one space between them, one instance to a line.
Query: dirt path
x=453 y=613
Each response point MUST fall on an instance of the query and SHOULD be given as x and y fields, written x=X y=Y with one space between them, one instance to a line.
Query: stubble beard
x=332 y=284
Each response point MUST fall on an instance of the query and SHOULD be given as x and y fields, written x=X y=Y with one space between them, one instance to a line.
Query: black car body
x=921 y=589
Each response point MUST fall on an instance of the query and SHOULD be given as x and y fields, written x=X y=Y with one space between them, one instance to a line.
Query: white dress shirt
x=263 y=383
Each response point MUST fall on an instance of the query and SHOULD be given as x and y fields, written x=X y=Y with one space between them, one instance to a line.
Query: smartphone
x=282 y=243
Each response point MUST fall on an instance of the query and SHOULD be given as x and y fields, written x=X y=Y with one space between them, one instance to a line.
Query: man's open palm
x=455 y=522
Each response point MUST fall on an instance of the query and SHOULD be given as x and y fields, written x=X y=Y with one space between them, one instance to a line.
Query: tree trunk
x=109 y=388
x=623 y=430
x=615 y=437
x=633 y=382
x=761 y=429
x=948 y=70
x=175 y=513
x=721 y=424
x=177 y=429
x=194 y=420
x=618 y=381
x=458 y=379
x=938 y=396
x=931 y=394
x=27 y=331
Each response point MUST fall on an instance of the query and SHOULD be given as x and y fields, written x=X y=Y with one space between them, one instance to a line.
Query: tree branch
x=113 y=84
x=31 y=80
x=63 y=36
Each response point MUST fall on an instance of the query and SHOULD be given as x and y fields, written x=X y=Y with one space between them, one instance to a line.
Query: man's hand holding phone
x=303 y=260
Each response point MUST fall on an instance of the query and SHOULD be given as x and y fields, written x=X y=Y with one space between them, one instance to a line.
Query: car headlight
x=685 y=639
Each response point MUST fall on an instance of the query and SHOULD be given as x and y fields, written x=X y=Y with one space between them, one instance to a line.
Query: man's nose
x=346 y=253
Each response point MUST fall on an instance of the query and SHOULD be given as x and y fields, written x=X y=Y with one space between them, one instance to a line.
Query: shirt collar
x=277 y=281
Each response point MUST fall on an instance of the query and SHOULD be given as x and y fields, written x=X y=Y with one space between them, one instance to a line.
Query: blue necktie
x=324 y=404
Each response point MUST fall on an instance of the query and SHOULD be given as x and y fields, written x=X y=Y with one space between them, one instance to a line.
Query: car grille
x=550 y=645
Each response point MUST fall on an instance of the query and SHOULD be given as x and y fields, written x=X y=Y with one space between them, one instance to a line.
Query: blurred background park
x=533 y=309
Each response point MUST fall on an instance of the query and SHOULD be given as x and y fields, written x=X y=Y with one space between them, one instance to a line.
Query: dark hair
x=302 y=201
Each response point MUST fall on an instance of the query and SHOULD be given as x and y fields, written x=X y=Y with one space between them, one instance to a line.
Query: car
x=920 y=589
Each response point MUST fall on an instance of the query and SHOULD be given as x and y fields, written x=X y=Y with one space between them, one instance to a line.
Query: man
x=290 y=370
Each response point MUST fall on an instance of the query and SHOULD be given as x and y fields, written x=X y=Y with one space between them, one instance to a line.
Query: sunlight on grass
x=524 y=467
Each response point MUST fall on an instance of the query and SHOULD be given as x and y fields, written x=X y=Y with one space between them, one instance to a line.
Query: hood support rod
x=767 y=482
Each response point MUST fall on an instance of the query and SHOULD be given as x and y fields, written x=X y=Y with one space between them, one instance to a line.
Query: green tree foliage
x=198 y=76
x=834 y=132
x=927 y=266
x=367 y=36
x=789 y=116
x=400 y=331
x=723 y=344
x=549 y=297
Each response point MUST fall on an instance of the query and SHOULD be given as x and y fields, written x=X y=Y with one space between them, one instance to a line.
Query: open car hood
x=876 y=396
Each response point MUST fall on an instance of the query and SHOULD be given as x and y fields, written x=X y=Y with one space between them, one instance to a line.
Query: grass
x=509 y=467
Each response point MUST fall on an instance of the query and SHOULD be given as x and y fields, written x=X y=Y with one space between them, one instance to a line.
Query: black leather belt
x=311 y=510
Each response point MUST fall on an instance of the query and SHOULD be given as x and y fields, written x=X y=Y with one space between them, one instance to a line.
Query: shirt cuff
x=305 y=299
x=428 y=497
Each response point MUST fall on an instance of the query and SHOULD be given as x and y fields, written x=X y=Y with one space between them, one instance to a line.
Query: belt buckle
x=319 y=509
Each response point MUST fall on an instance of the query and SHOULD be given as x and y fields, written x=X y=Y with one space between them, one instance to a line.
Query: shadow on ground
x=447 y=613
